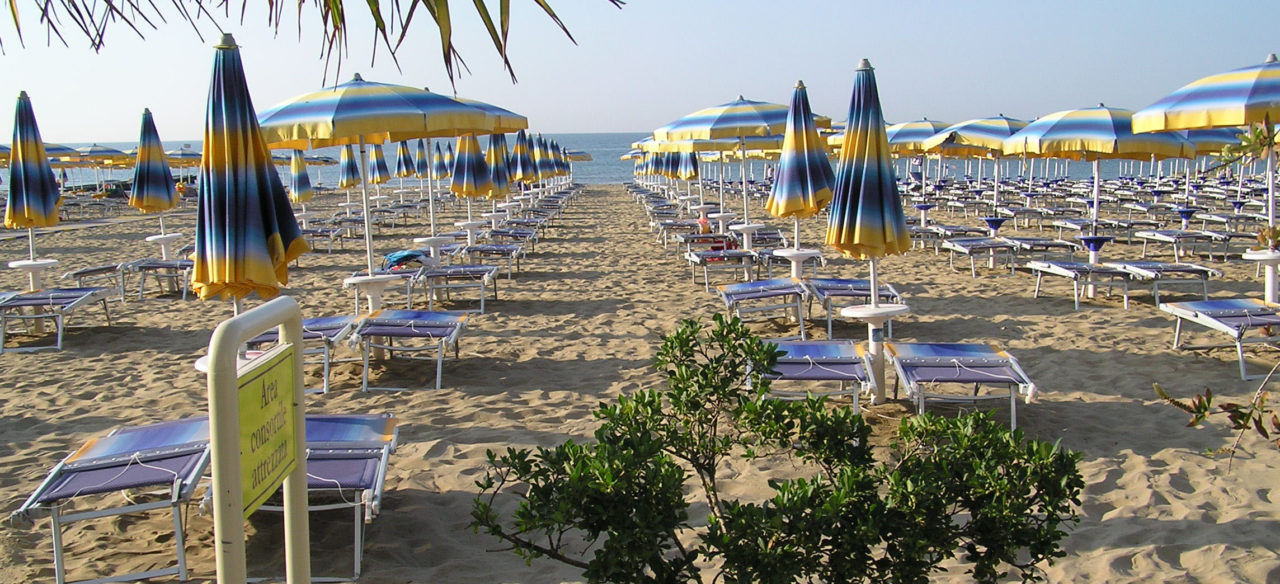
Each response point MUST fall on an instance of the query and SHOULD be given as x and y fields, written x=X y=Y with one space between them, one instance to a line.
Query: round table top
x=793 y=253
x=164 y=237
x=32 y=264
x=872 y=314
x=434 y=240
x=370 y=280
x=471 y=224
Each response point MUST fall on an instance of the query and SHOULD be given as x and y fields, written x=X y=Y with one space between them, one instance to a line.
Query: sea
x=605 y=166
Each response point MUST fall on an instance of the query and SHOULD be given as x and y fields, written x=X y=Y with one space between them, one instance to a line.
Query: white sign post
x=266 y=398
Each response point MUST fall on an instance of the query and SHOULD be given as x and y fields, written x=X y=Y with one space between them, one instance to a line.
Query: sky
x=652 y=61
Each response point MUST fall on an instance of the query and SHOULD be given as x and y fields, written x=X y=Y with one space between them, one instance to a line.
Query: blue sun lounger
x=169 y=457
x=426 y=330
x=921 y=367
x=1081 y=273
x=827 y=290
x=328 y=330
x=54 y=304
x=785 y=294
x=1235 y=317
x=844 y=361
x=990 y=247
x=1168 y=274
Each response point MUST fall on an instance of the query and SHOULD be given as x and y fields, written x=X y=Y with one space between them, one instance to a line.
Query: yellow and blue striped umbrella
x=470 y=172
x=866 y=218
x=404 y=161
x=499 y=173
x=421 y=162
x=741 y=117
x=153 y=187
x=300 y=189
x=448 y=156
x=522 y=168
x=1240 y=97
x=687 y=166
x=33 y=191
x=802 y=186
x=348 y=168
x=378 y=172
x=504 y=121
x=907 y=138
x=439 y=170
x=542 y=159
x=978 y=138
x=1209 y=141
x=246 y=233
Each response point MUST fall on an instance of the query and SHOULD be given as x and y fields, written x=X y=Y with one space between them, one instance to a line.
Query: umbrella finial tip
x=357 y=77
x=22 y=94
x=1271 y=58
x=864 y=64
x=228 y=42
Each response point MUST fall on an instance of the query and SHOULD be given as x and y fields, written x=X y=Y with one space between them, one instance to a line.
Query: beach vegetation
x=645 y=501
x=392 y=22
x=1256 y=416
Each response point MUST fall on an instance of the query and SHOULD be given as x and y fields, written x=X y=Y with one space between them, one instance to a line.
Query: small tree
x=617 y=508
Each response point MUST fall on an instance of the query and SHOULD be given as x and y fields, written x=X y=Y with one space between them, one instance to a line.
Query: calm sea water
x=604 y=168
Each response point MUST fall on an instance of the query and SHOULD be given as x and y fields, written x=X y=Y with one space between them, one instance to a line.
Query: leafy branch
x=1255 y=415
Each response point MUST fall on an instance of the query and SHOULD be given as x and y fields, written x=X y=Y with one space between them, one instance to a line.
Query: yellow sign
x=266 y=426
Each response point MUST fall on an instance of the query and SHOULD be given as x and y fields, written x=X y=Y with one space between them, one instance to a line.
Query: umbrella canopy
x=404 y=161
x=99 y=154
x=504 y=121
x=378 y=172
x=1211 y=140
x=183 y=157
x=908 y=138
x=687 y=166
x=300 y=189
x=802 y=186
x=1239 y=97
x=542 y=159
x=33 y=191
x=978 y=137
x=153 y=187
x=348 y=168
x=448 y=156
x=1093 y=133
x=421 y=161
x=577 y=156
x=496 y=158
x=246 y=233
x=741 y=117
x=439 y=170
x=470 y=172
x=59 y=151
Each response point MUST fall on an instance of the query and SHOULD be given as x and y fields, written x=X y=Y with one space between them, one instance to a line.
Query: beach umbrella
x=522 y=168
x=470 y=172
x=4 y=153
x=404 y=165
x=504 y=121
x=97 y=156
x=421 y=161
x=978 y=138
x=33 y=192
x=1094 y=134
x=499 y=174
x=246 y=233
x=300 y=189
x=577 y=156
x=907 y=139
x=802 y=187
x=378 y=171
x=348 y=169
x=866 y=218
x=448 y=157
x=154 y=190
x=543 y=162
x=439 y=170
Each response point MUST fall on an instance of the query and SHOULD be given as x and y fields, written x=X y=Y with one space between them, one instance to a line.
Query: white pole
x=364 y=204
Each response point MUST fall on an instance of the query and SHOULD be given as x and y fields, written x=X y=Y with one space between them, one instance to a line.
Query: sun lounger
x=829 y=360
x=992 y=247
x=91 y=276
x=328 y=330
x=1047 y=248
x=169 y=457
x=1183 y=240
x=827 y=290
x=732 y=260
x=785 y=294
x=441 y=281
x=1168 y=274
x=56 y=304
x=1081 y=273
x=418 y=330
x=1236 y=317
x=170 y=275
x=510 y=253
x=923 y=366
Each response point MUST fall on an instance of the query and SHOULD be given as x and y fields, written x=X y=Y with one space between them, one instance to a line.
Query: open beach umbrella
x=978 y=138
x=154 y=190
x=348 y=169
x=33 y=191
x=499 y=174
x=1240 y=97
x=98 y=156
x=246 y=233
x=470 y=172
x=300 y=189
x=802 y=187
x=866 y=218
x=505 y=121
x=1094 y=134
x=907 y=139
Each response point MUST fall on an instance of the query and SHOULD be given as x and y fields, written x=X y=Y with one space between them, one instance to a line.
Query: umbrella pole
x=742 y=149
x=364 y=204
x=431 y=195
x=304 y=208
x=1270 y=273
x=875 y=339
x=721 y=182
x=31 y=243
x=795 y=240
x=1097 y=189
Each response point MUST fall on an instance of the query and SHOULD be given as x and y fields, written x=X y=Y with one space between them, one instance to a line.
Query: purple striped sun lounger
x=1235 y=317
x=779 y=294
x=418 y=331
x=53 y=304
x=821 y=360
x=921 y=367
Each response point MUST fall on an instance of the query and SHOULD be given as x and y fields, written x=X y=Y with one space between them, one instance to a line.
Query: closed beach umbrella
x=522 y=169
x=499 y=174
x=421 y=161
x=246 y=233
x=154 y=190
x=470 y=172
x=404 y=161
x=543 y=162
x=866 y=218
x=378 y=171
x=448 y=157
x=348 y=169
x=33 y=191
x=300 y=189
x=439 y=170
x=802 y=186
x=1244 y=96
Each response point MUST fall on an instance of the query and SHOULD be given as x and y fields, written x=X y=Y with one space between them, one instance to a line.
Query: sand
x=579 y=325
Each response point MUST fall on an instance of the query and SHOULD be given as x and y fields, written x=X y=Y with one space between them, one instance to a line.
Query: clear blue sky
x=655 y=60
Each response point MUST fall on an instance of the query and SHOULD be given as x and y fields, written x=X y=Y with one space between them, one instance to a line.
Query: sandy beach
x=578 y=325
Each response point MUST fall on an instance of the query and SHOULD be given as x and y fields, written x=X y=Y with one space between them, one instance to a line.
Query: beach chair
x=923 y=367
x=323 y=333
x=417 y=330
x=93 y=275
x=165 y=459
x=731 y=260
x=169 y=275
x=993 y=248
x=780 y=294
x=443 y=280
x=508 y=253
x=56 y=304
x=1168 y=274
x=844 y=361
x=347 y=457
x=1081 y=273
x=828 y=290
x=1235 y=317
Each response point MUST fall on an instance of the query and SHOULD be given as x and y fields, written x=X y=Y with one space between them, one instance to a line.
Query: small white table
x=303 y=216
x=797 y=257
x=35 y=271
x=434 y=244
x=372 y=287
x=747 y=229
x=495 y=217
x=723 y=219
x=1269 y=260
x=349 y=206
x=471 y=227
x=165 y=240
x=378 y=199
x=875 y=316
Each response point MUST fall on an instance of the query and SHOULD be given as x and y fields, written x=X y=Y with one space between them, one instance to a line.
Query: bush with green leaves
x=618 y=507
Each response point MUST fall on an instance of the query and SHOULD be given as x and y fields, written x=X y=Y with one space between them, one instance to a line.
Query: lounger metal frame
x=916 y=389
x=1081 y=273
x=823 y=360
x=1255 y=314
x=785 y=294
x=54 y=305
